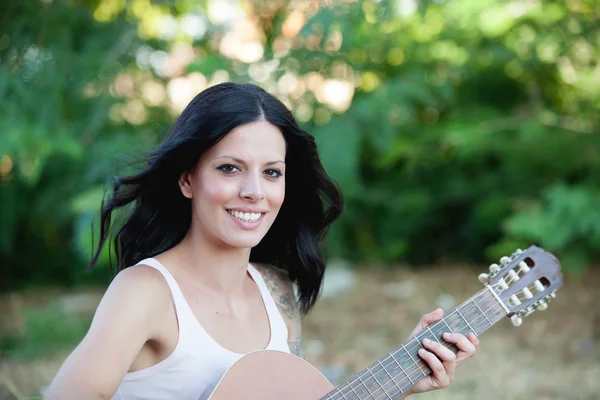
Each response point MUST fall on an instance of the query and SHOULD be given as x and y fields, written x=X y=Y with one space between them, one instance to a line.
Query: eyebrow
x=242 y=161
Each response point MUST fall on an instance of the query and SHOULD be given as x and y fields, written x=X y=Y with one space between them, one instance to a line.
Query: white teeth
x=248 y=217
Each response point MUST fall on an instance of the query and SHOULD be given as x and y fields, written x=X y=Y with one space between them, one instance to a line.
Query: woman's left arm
x=282 y=290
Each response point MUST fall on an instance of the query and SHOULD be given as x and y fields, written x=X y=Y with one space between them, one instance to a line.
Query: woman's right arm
x=127 y=317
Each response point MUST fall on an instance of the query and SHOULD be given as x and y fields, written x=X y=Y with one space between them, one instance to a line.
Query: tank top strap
x=176 y=294
x=275 y=317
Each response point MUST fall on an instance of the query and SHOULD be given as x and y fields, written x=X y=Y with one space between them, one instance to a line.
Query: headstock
x=524 y=282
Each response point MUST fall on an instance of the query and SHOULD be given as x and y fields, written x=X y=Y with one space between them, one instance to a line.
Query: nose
x=252 y=189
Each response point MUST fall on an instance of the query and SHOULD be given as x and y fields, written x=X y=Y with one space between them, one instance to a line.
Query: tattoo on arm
x=282 y=291
x=296 y=347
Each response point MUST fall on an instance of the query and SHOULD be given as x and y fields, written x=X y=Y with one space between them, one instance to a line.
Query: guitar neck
x=393 y=375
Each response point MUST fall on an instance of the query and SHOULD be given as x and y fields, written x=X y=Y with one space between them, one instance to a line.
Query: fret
x=438 y=333
x=365 y=386
x=376 y=381
x=353 y=391
x=348 y=386
x=414 y=361
x=344 y=396
x=407 y=371
x=380 y=385
x=454 y=321
x=419 y=344
x=434 y=335
x=402 y=369
x=481 y=311
x=390 y=376
x=467 y=322
x=447 y=326
x=340 y=391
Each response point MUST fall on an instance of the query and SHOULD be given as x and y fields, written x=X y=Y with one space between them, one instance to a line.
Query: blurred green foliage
x=42 y=335
x=457 y=129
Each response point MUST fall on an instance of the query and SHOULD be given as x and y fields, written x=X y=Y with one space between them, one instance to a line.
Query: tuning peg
x=515 y=300
x=541 y=305
x=513 y=275
x=516 y=320
x=524 y=267
x=539 y=286
x=494 y=268
x=484 y=278
x=504 y=260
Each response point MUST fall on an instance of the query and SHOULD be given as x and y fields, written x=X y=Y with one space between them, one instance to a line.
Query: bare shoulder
x=141 y=277
x=282 y=290
x=139 y=288
x=130 y=313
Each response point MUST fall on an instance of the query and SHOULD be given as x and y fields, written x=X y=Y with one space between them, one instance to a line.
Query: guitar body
x=271 y=375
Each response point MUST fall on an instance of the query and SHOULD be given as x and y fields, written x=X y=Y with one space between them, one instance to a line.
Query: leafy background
x=458 y=130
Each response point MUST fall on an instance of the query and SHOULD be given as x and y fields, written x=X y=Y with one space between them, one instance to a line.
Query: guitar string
x=483 y=313
x=477 y=326
x=411 y=347
x=409 y=371
x=349 y=384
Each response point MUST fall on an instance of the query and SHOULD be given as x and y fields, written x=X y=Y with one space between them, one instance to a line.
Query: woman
x=228 y=213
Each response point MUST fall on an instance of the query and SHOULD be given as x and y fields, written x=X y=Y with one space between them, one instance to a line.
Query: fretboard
x=393 y=375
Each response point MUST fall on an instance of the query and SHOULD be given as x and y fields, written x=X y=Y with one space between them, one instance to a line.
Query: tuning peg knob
x=516 y=320
x=494 y=268
x=504 y=260
x=542 y=305
x=484 y=278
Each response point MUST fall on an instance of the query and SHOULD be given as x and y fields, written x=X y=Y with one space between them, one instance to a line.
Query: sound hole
x=529 y=262
x=545 y=282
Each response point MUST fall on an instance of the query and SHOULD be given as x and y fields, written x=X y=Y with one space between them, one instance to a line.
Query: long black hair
x=159 y=215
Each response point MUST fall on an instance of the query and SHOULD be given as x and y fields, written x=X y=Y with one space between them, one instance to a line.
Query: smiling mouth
x=244 y=216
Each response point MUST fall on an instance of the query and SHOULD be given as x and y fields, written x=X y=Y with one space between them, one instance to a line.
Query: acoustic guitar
x=522 y=283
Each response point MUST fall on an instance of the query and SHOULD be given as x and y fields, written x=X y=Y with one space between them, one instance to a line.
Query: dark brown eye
x=273 y=173
x=228 y=168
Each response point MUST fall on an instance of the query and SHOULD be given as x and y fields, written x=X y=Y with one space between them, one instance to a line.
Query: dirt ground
x=555 y=354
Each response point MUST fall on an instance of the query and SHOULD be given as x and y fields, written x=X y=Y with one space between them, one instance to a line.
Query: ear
x=185 y=184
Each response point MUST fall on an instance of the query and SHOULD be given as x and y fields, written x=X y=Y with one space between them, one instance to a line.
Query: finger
x=474 y=339
x=445 y=355
x=438 y=372
x=430 y=318
x=442 y=352
x=465 y=347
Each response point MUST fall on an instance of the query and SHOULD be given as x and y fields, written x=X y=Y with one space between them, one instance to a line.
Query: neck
x=219 y=267
x=397 y=372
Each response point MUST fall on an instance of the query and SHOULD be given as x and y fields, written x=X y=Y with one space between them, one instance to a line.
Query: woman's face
x=238 y=185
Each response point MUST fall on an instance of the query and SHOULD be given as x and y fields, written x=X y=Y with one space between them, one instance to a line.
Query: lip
x=246 y=225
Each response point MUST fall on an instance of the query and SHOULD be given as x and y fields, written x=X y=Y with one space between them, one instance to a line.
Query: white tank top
x=198 y=362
